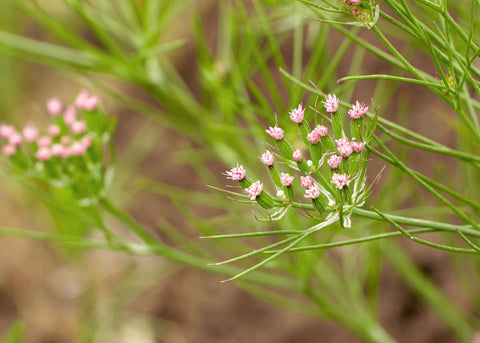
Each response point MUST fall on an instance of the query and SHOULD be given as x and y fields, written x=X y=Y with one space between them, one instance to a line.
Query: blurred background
x=58 y=294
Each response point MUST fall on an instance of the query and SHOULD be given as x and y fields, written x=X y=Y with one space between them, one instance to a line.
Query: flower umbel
x=286 y=179
x=312 y=192
x=334 y=161
x=357 y=111
x=267 y=158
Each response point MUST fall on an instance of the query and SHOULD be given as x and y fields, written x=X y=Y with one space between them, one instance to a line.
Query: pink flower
x=44 y=141
x=344 y=147
x=313 y=137
x=357 y=146
x=356 y=12
x=53 y=130
x=15 y=139
x=78 y=127
x=357 y=111
x=297 y=155
x=70 y=115
x=58 y=150
x=6 y=131
x=312 y=192
x=340 y=180
x=352 y=2
x=306 y=181
x=8 y=150
x=86 y=142
x=255 y=189
x=30 y=132
x=236 y=173
x=331 y=103
x=297 y=114
x=43 y=154
x=92 y=103
x=275 y=132
x=267 y=158
x=82 y=98
x=321 y=130
x=77 y=149
x=334 y=161
x=286 y=179
x=54 y=106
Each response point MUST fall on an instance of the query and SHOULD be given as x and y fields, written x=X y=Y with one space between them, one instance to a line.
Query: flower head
x=313 y=137
x=297 y=155
x=275 y=132
x=54 y=106
x=43 y=154
x=334 y=161
x=70 y=115
x=344 y=147
x=30 y=132
x=6 y=131
x=306 y=181
x=331 y=103
x=321 y=130
x=357 y=146
x=8 y=150
x=313 y=192
x=297 y=114
x=53 y=130
x=15 y=139
x=286 y=179
x=44 y=141
x=236 y=173
x=267 y=158
x=255 y=189
x=78 y=127
x=341 y=180
x=357 y=111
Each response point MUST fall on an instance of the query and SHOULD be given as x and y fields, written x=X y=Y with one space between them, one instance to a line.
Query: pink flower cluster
x=267 y=158
x=275 y=132
x=357 y=111
x=58 y=142
x=313 y=192
x=255 y=190
x=319 y=131
x=345 y=148
x=352 y=2
x=331 y=103
x=297 y=114
x=236 y=173
x=286 y=179
x=340 y=180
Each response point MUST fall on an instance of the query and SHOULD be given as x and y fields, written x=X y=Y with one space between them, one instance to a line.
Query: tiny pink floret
x=44 y=141
x=340 y=180
x=16 y=139
x=334 y=161
x=58 y=150
x=236 y=173
x=86 y=142
x=82 y=98
x=53 y=130
x=306 y=181
x=30 y=132
x=312 y=192
x=297 y=114
x=286 y=179
x=6 y=131
x=255 y=190
x=321 y=130
x=275 y=132
x=267 y=158
x=70 y=115
x=91 y=103
x=77 y=149
x=43 y=154
x=54 y=106
x=344 y=147
x=357 y=111
x=331 y=103
x=313 y=137
x=8 y=150
x=78 y=127
x=297 y=155
x=357 y=146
